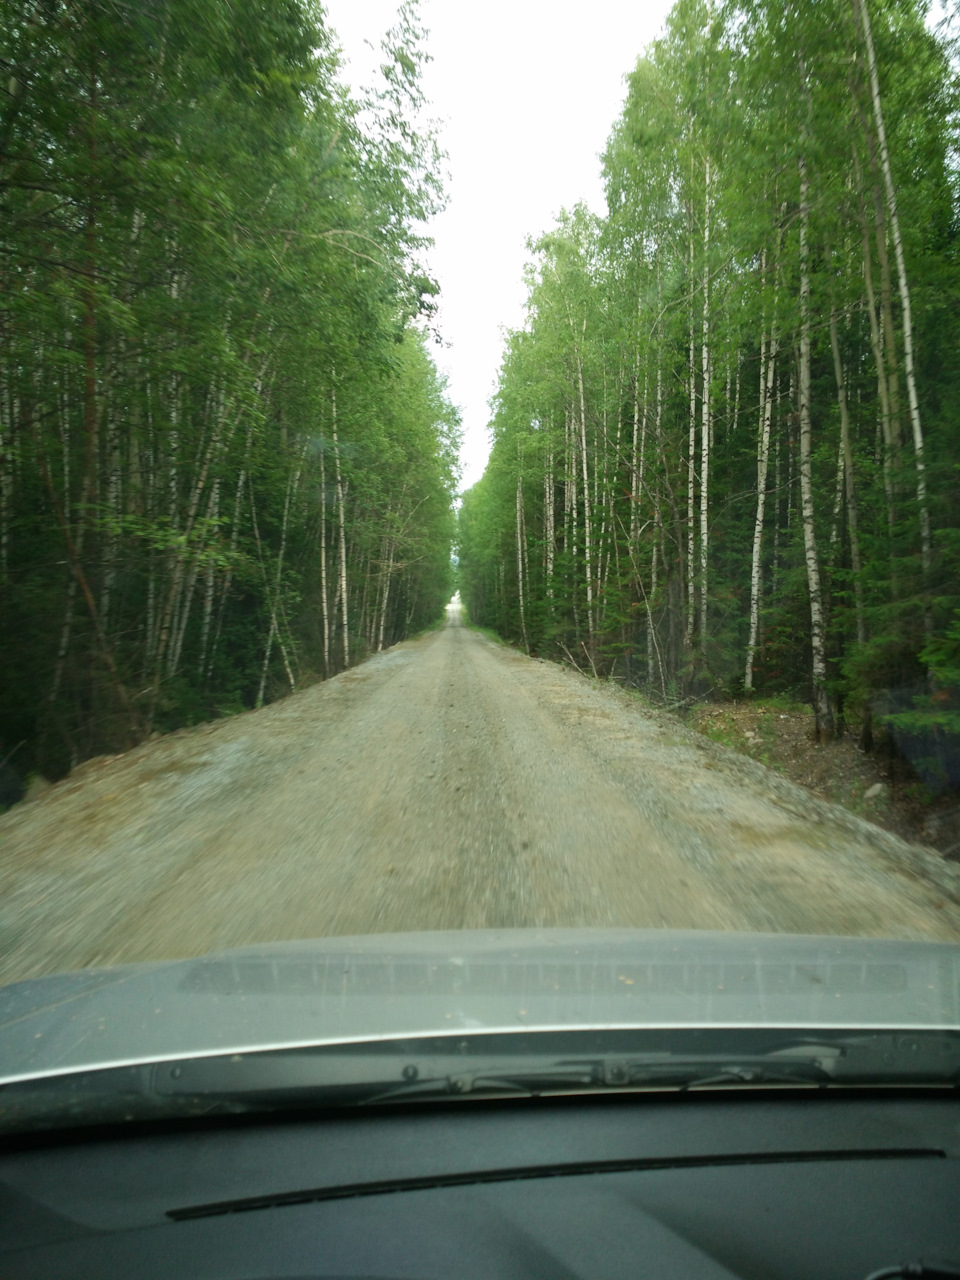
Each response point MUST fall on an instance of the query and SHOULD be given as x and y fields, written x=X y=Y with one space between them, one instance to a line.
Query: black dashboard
x=759 y=1185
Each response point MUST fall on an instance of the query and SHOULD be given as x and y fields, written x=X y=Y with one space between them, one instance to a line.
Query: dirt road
x=447 y=783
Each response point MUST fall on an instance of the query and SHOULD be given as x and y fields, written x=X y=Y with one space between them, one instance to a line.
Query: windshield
x=477 y=469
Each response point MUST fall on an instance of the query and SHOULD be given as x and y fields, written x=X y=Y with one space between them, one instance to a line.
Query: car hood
x=399 y=986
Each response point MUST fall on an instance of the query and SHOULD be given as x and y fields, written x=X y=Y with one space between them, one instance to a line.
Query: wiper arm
x=605 y=1074
x=505 y=1079
x=434 y=1068
x=305 y=1077
x=694 y=1072
x=802 y=1074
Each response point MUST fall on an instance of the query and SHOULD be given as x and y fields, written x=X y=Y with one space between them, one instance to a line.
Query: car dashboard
x=778 y=1184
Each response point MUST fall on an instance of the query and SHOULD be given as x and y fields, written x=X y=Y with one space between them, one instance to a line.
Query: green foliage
x=615 y=525
x=928 y=728
x=226 y=457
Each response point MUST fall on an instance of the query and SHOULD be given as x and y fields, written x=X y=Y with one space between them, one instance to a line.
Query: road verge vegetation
x=227 y=458
x=724 y=452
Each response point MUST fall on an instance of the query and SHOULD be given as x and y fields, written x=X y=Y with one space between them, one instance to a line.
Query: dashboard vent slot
x=432 y=1182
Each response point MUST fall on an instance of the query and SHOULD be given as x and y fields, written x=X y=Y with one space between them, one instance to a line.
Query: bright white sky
x=526 y=92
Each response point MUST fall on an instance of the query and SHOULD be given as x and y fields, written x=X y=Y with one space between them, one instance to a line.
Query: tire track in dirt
x=447 y=783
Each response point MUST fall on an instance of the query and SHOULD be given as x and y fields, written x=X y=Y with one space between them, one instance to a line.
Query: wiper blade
x=605 y=1074
x=505 y=1079
x=310 y=1078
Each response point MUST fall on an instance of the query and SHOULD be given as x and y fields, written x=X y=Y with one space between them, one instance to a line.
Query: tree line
x=227 y=460
x=725 y=439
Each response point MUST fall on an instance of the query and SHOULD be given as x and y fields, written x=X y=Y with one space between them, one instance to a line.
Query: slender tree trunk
x=209 y=582
x=64 y=646
x=213 y=506
x=549 y=538
x=172 y=622
x=850 y=484
x=572 y=517
x=888 y=329
x=823 y=711
x=526 y=550
x=73 y=553
x=791 y=443
x=67 y=628
x=835 y=523
x=691 y=468
x=926 y=546
x=587 y=557
x=568 y=483
x=344 y=615
x=234 y=543
x=91 y=442
x=523 y=614
x=6 y=479
x=270 y=605
x=636 y=453
x=653 y=647
x=705 y=422
x=273 y=603
x=652 y=651
x=876 y=342
x=114 y=504
x=386 y=595
x=775 y=557
x=324 y=592
x=768 y=361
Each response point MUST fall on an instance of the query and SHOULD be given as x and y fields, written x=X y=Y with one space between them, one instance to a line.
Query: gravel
x=448 y=783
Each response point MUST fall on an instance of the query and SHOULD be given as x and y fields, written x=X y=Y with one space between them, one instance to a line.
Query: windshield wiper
x=604 y=1074
x=444 y=1068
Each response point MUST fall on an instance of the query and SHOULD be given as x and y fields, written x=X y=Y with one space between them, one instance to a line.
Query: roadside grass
x=488 y=632
x=747 y=727
x=779 y=732
x=428 y=630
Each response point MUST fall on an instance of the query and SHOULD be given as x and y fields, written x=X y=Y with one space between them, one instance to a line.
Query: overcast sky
x=526 y=92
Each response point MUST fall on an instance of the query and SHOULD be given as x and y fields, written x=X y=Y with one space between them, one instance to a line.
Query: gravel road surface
x=448 y=783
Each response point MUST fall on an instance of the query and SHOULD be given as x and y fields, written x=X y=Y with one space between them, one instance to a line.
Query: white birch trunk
x=691 y=470
x=926 y=545
x=344 y=616
x=274 y=603
x=823 y=712
x=705 y=424
x=876 y=341
x=574 y=519
x=210 y=582
x=386 y=595
x=851 y=491
x=651 y=629
x=523 y=614
x=768 y=360
x=634 y=460
x=324 y=597
x=587 y=557
x=549 y=530
x=234 y=543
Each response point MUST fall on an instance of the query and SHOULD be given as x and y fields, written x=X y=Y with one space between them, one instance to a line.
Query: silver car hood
x=399 y=986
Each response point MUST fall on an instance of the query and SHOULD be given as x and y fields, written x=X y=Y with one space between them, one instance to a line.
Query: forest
x=725 y=440
x=227 y=459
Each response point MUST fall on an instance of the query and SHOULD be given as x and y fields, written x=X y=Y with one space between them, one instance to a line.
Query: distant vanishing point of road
x=447 y=783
